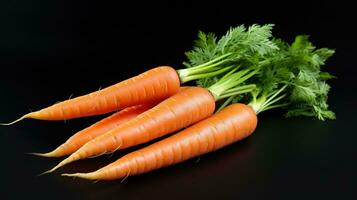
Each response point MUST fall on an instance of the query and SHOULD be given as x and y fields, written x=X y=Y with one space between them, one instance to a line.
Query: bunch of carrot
x=246 y=65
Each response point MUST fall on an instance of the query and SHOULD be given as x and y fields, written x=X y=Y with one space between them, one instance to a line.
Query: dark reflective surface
x=49 y=51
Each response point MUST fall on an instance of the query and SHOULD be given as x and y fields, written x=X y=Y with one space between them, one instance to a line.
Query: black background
x=50 y=50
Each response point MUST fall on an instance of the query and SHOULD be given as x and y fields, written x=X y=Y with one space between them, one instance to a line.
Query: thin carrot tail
x=64 y=162
x=50 y=171
x=89 y=176
x=33 y=115
x=46 y=172
x=54 y=153
x=17 y=120
x=48 y=155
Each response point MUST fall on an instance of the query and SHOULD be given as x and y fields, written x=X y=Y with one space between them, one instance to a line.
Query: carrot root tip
x=54 y=169
x=61 y=164
x=71 y=175
x=79 y=175
x=15 y=121
x=48 y=155
x=46 y=172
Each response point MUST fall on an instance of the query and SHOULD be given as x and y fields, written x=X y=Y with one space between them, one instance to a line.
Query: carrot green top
x=291 y=78
x=264 y=72
x=221 y=65
x=211 y=57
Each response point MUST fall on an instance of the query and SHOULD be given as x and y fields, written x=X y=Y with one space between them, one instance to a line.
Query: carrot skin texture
x=151 y=86
x=80 y=138
x=187 y=107
x=232 y=124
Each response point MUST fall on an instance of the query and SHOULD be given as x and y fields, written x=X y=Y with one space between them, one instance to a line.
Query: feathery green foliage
x=242 y=46
x=263 y=71
x=297 y=69
x=240 y=42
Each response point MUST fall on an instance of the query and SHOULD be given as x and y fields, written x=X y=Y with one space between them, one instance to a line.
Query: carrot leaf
x=248 y=64
x=292 y=78
x=239 y=46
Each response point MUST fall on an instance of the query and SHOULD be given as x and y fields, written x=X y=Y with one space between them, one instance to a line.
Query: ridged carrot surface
x=233 y=123
x=80 y=138
x=151 y=86
x=179 y=111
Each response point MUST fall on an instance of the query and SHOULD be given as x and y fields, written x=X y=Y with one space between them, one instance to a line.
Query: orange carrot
x=95 y=130
x=233 y=123
x=151 y=86
x=181 y=110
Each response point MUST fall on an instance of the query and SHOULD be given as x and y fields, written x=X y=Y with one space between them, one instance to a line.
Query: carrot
x=208 y=58
x=291 y=78
x=233 y=123
x=95 y=130
x=151 y=86
x=181 y=110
